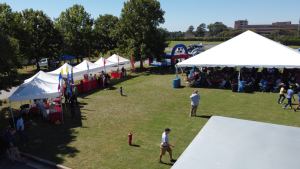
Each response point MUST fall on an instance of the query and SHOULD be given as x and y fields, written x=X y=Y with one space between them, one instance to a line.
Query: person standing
x=72 y=105
x=75 y=93
x=20 y=128
x=108 y=80
x=298 y=103
x=121 y=91
x=281 y=93
x=123 y=71
x=13 y=147
x=290 y=95
x=44 y=112
x=194 y=104
x=165 y=146
x=5 y=135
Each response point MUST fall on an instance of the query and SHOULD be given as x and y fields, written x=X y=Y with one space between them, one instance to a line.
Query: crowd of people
x=266 y=80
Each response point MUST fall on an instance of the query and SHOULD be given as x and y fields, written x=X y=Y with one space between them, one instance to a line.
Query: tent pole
x=62 y=112
x=239 y=78
x=176 y=71
x=12 y=116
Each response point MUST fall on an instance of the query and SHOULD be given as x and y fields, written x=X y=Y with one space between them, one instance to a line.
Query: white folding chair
x=222 y=85
x=276 y=88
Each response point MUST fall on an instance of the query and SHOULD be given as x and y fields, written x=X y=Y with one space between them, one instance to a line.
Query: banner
x=132 y=62
x=72 y=75
x=70 y=90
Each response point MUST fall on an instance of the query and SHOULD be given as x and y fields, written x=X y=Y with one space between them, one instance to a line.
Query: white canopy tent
x=92 y=66
x=247 y=50
x=76 y=71
x=108 y=63
x=114 y=58
x=41 y=85
x=233 y=143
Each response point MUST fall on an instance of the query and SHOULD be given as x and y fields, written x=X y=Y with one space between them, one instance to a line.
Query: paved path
x=5 y=95
x=5 y=163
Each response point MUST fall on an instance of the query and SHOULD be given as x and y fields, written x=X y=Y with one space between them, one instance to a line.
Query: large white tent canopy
x=114 y=58
x=247 y=50
x=41 y=85
x=232 y=143
x=108 y=63
x=76 y=71
x=92 y=66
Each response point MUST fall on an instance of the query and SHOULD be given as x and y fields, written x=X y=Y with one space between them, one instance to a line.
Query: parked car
x=44 y=62
x=196 y=51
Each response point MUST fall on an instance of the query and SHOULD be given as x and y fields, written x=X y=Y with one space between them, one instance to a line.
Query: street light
x=64 y=20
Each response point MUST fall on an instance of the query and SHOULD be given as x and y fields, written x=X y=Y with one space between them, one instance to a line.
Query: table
x=115 y=75
x=55 y=116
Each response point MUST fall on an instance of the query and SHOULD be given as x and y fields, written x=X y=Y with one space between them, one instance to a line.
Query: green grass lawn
x=294 y=47
x=98 y=136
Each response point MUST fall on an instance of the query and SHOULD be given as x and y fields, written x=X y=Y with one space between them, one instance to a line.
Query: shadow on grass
x=207 y=117
x=48 y=141
x=134 y=145
x=170 y=164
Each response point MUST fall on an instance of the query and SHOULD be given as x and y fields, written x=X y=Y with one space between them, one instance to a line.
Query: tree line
x=33 y=35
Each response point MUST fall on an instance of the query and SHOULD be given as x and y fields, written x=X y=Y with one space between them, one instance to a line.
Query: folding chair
x=223 y=85
x=262 y=89
x=276 y=88
x=209 y=83
x=197 y=82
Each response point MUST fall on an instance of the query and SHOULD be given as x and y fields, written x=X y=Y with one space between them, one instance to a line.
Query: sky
x=179 y=15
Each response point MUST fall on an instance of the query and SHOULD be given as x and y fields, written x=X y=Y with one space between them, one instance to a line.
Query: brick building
x=265 y=29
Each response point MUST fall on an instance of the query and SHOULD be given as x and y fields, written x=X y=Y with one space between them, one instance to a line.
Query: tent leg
x=176 y=72
x=12 y=116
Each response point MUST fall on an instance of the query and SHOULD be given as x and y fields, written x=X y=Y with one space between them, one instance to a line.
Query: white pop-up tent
x=233 y=143
x=76 y=71
x=92 y=66
x=115 y=57
x=41 y=85
x=248 y=49
x=108 y=63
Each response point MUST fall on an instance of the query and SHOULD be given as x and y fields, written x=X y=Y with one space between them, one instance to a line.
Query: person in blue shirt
x=121 y=91
x=290 y=95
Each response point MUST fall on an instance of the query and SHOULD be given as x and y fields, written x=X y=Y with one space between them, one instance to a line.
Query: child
x=298 y=103
x=289 y=96
x=281 y=93
x=121 y=91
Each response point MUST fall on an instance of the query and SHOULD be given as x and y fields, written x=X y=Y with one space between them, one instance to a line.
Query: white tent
x=92 y=66
x=108 y=63
x=41 y=85
x=76 y=71
x=247 y=50
x=233 y=143
x=114 y=58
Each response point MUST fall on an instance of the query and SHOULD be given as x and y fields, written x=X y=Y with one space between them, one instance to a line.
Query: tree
x=104 y=40
x=137 y=30
x=37 y=35
x=190 y=29
x=78 y=30
x=216 y=28
x=201 y=29
x=10 y=62
x=7 y=23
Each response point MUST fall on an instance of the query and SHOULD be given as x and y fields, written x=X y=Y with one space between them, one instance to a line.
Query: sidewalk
x=5 y=163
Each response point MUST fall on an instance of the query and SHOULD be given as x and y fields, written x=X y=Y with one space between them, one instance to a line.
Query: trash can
x=234 y=88
x=176 y=83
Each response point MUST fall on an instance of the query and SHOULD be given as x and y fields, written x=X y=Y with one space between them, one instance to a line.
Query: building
x=265 y=29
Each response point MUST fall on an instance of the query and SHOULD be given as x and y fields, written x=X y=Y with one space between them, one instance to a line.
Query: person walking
x=165 y=146
x=281 y=93
x=13 y=147
x=72 y=106
x=20 y=128
x=123 y=72
x=290 y=95
x=75 y=93
x=194 y=104
x=5 y=135
x=121 y=90
x=298 y=103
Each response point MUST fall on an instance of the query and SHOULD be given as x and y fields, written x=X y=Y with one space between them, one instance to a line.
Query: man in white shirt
x=90 y=77
x=20 y=128
x=165 y=146
x=194 y=104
